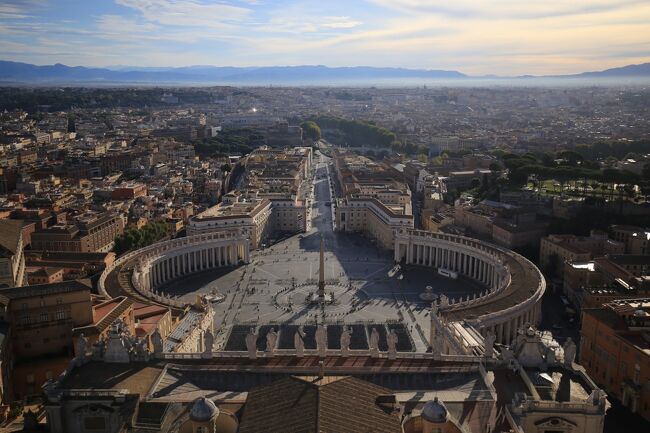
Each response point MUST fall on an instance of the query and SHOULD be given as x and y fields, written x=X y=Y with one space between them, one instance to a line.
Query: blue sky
x=473 y=36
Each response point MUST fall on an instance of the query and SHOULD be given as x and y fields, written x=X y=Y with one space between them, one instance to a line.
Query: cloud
x=505 y=8
x=187 y=12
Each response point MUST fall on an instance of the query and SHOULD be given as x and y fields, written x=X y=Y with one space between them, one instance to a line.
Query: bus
x=447 y=273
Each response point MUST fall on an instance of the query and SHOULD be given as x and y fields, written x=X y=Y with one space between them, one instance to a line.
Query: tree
x=423 y=158
x=311 y=130
x=495 y=166
x=645 y=174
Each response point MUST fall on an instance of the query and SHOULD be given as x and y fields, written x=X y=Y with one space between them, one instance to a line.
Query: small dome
x=203 y=410
x=435 y=411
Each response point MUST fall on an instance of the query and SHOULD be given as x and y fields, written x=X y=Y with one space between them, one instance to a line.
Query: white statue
x=82 y=347
x=488 y=344
x=157 y=341
x=569 y=352
x=208 y=341
x=345 y=340
x=271 y=339
x=374 y=342
x=251 y=343
x=299 y=342
x=392 y=339
x=321 y=340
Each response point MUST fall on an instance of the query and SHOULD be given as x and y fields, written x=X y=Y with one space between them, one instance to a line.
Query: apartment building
x=42 y=318
x=636 y=239
x=615 y=350
x=91 y=232
x=555 y=249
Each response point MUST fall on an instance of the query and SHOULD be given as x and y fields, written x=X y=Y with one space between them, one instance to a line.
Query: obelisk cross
x=321 y=272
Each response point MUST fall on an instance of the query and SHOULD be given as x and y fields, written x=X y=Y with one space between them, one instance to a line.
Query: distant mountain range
x=27 y=73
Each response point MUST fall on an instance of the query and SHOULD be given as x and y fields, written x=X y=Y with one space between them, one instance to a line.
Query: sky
x=503 y=37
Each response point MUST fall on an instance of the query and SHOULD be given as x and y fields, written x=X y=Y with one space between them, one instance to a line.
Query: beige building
x=12 y=258
x=252 y=215
x=371 y=217
x=258 y=217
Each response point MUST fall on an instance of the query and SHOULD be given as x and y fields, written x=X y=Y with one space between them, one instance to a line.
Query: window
x=59 y=315
x=43 y=317
x=97 y=423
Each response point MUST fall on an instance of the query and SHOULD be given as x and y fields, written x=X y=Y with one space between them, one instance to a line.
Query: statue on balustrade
x=299 y=342
x=374 y=342
x=346 y=337
x=271 y=339
x=392 y=340
x=251 y=343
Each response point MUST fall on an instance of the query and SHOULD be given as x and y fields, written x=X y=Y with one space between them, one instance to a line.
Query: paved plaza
x=275 y=287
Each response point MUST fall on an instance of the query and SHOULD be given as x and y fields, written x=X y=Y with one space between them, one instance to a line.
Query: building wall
x=613 y=361
x=12 y=268
x=43 y=324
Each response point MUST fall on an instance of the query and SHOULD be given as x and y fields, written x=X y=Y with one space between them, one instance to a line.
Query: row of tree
x=133 y=239
x=358 y=133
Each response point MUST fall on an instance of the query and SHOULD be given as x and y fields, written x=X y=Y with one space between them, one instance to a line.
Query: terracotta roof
x=45 y=289
x=309 y=404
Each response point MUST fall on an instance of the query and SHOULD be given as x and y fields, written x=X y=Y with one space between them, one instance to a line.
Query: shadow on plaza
x=363 y=261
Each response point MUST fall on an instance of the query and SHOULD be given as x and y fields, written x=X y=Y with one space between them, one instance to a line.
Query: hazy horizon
x=500 y=37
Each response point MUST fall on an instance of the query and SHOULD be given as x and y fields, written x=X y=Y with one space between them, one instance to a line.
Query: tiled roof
x=45 y=289
x=310 y=404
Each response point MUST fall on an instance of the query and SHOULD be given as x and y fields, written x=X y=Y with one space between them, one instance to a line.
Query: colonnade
x=507 y=306
x=484 y=268
x=160 y=269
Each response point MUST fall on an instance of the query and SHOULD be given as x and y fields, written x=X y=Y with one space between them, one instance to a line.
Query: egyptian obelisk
x=321 y=273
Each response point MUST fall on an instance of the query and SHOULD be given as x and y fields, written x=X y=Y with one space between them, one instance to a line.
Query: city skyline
x=503 y=38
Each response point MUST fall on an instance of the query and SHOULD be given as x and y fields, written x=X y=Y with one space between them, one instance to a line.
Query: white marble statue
x=251 y=343
x=321 y=340
x=569 y=352
x=271 y=339
x=346 y=336
x=392 y=340
x=374 y=342
x=488 y=344
x=208 y=341
x=299 y=342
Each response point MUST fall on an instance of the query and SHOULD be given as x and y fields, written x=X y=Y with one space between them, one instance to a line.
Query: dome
x=203 y=410
x=435 y=411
